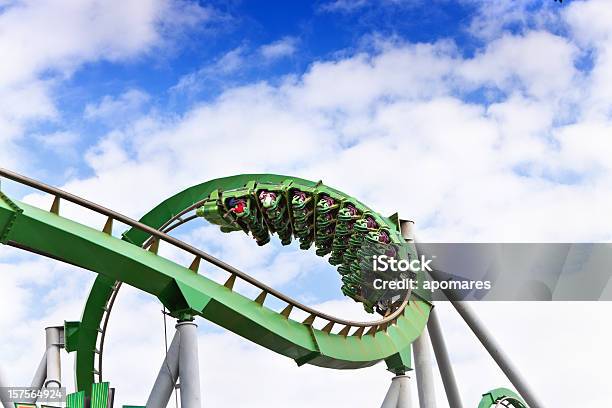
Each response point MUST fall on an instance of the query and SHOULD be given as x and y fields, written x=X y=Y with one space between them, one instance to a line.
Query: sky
x=480 y=120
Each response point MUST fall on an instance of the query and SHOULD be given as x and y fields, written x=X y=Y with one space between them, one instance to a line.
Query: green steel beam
x=184 y=292
x=156 y=218
x=181 y=290
x=76 y=400
x=100 y=395
x=491 y=398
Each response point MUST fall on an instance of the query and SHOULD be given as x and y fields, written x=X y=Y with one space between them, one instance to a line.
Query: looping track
x=185 y=292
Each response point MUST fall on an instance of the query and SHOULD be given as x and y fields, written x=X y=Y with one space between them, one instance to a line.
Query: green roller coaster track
x=501 y=397
x=186 y=293
x=133 y=259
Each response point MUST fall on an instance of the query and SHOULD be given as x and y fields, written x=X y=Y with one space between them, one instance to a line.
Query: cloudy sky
x=480 y=120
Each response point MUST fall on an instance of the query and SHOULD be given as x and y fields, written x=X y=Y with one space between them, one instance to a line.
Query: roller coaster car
x=302 y=213
x=326 y=211
x=242 y=206
x=212 y=211
x=272 y=200
x=337 y=224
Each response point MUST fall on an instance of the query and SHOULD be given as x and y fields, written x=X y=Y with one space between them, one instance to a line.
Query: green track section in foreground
x=492 y=398
x=181 y=290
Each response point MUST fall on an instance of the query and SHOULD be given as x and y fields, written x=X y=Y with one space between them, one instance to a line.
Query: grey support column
x=405 y=393
x=54 y=363
x=39 y=377
x=498 y=355
x=41 y=373
x=424 y=372
x=167 y=377
x=392 y=396
x=489 y=343
x=443 y=360
x=399 y=394
x=189 y=366
x=422 y=354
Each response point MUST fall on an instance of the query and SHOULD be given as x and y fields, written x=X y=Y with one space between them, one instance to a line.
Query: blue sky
x=317 y=31
x=237 y=32
x=480 y=120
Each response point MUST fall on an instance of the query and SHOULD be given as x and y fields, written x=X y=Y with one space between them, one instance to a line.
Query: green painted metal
x=88 y=331
x=76 y=400
x=71 y=335
x=156 y=218
x=100 y=394
x=7 y=219
x=182 y=291
x=491 y=398
x=187 y=294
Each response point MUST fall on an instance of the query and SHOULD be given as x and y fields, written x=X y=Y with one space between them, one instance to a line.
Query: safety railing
x=156 y=236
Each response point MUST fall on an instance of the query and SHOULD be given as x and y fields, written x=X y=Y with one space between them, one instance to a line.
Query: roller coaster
x=339 y=227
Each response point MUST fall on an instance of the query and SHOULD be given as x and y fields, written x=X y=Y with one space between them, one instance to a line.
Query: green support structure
x=100 y=395
x=497 y=396
x=183 y=291
x=260 y=205
x=76 y=400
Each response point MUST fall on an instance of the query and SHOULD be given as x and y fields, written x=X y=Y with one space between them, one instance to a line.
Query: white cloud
x=278 y=49
x=539 y=62
x=590 y=21
x=405 y=106
x=117 y=109
x=19 y=106
x=590 y=24
x=344 y=5
x=38 y=293
x=404 y=101
x=350 y=6
x=61 y=36
x=60 y=142
x=46 y=42
x=493 y=19
x=232 y=62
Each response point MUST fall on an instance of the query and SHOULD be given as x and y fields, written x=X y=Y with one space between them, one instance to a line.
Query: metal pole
x=54 y=363
x=167 y=377
x=399 y=394
x=39 y=378
x=41 y=373
x=489 y=343
x=392 y=396
x=443 y=360
x=422 y=353
x=424 y=372
x=189 y=366
x=405 y=393
x=5 y=404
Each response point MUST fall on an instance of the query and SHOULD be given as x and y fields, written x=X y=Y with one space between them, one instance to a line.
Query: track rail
x=166 y=228
x=157 y=235
x=339 y=344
